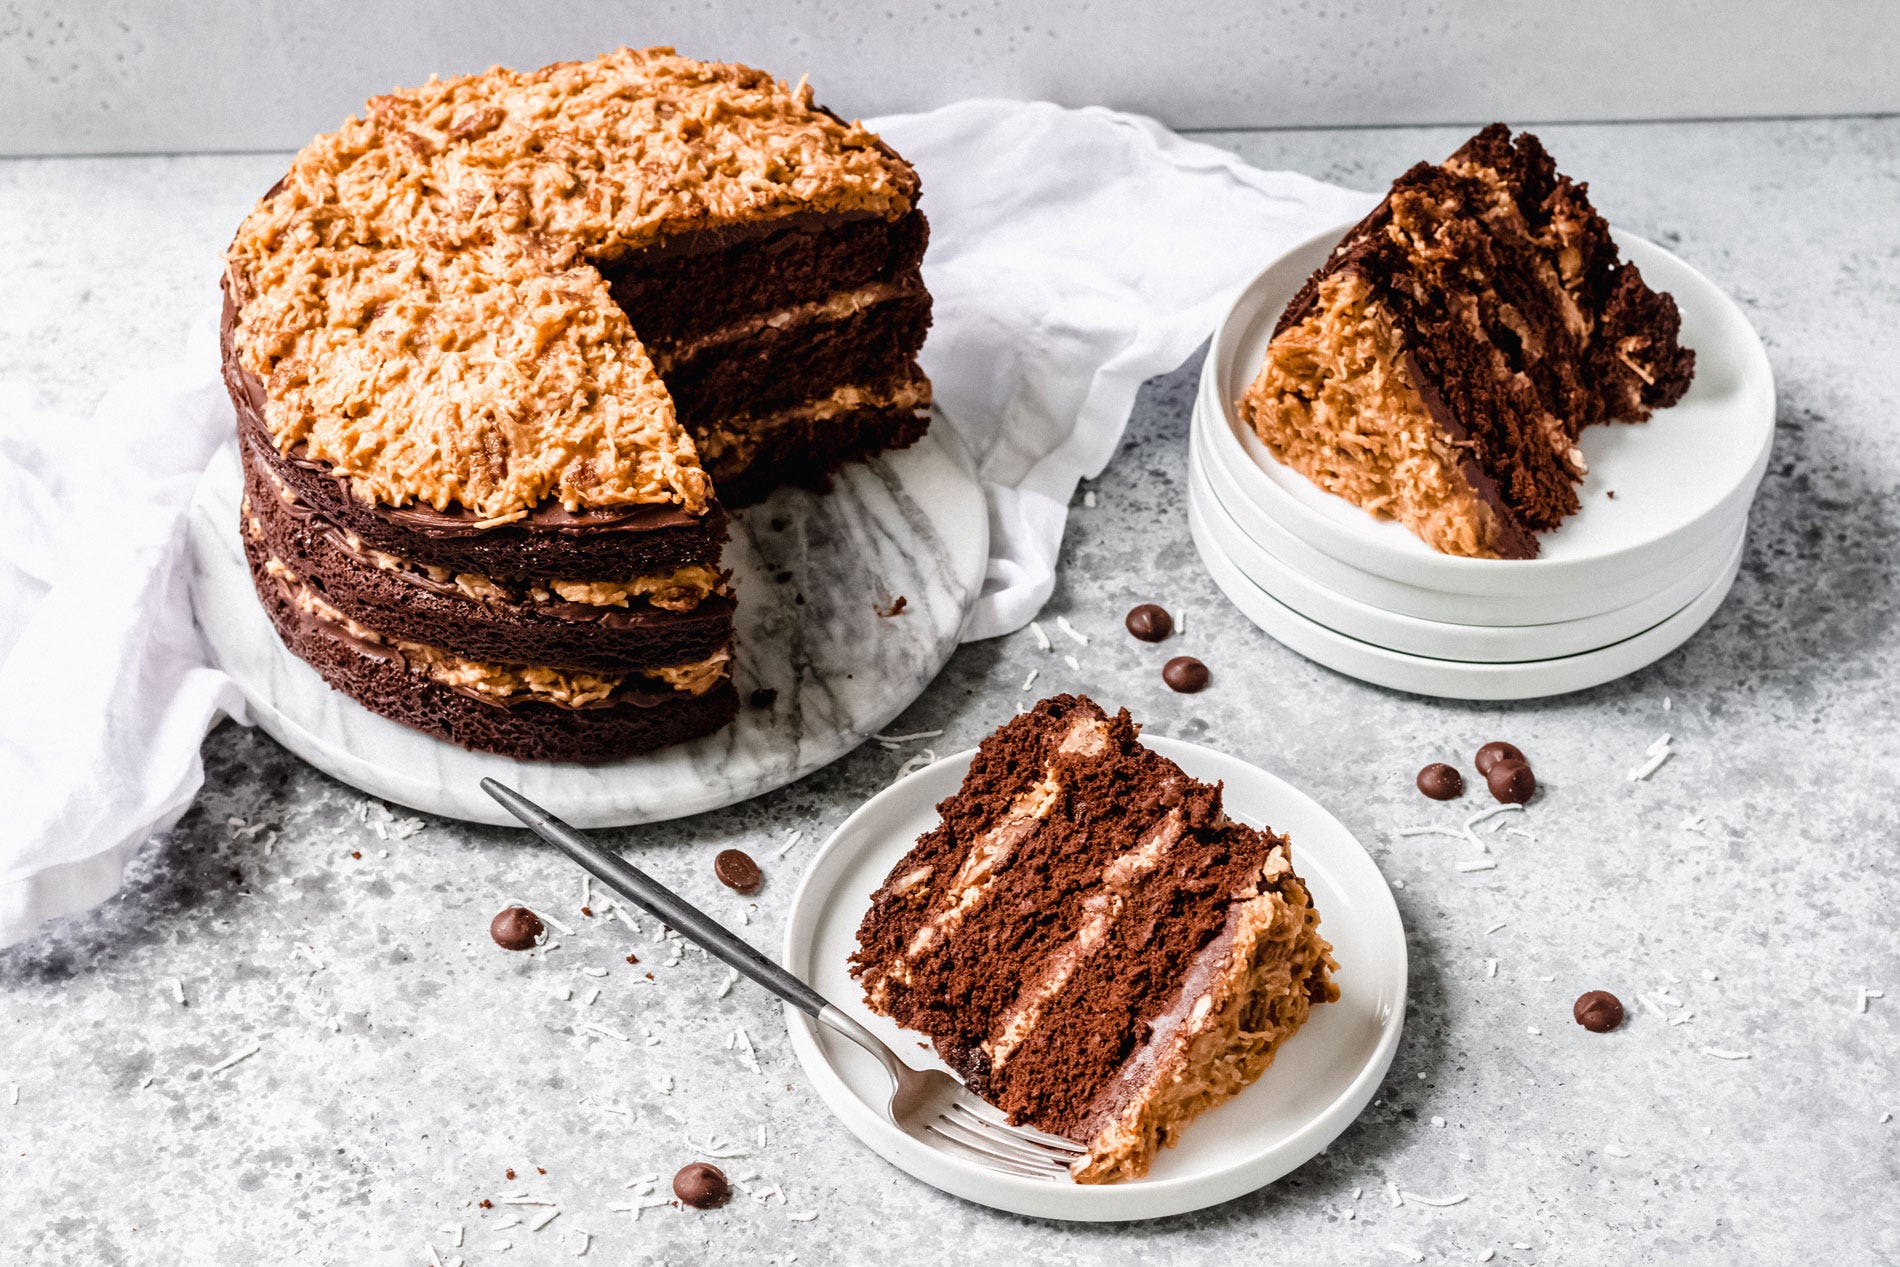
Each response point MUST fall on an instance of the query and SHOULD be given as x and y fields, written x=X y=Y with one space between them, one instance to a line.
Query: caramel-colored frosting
x=418 y=297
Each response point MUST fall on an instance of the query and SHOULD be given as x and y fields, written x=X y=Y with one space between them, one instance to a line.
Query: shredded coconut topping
x=418 y=295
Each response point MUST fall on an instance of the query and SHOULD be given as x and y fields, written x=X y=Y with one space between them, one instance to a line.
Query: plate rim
x=1398 y=670
x=1402 y=597
x=1229 y=443
x=1633 y=618
x=1084 y=1202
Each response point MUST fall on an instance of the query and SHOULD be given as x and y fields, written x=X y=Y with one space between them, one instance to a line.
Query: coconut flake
x=791 y=842
x=725 y=987
x=1393 y=1195
x=746 y=1052
x=1062 y=623
x=1042 y=639
x=927 y=757
x=915 y=735
x=1724 y=1054
x=235 y=1058
x=1406 y=1252
x=1615 y=1150
x=1030 y=680
x=1479 y=864
x=551 y=922
x=1429 y=831
x=1456 y=1199
x=544 y=1220
x=1072 y=662
x=1864 y=994
x=591 y=1028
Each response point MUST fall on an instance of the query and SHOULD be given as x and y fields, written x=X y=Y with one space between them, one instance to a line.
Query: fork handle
x=656 y=899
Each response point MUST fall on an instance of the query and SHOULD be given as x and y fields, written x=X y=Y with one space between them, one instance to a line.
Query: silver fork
x=926 y=1104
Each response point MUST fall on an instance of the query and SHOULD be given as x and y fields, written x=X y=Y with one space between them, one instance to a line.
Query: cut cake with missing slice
x=1090 y=942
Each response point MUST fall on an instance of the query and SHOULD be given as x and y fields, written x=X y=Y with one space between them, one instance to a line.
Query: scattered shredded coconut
x=591 y=1028
x=582 y=1241
x=1406 y=1252
x=1692 y=822
x=1088 y=499
x=1392 y=1194
x=1458 y=1199
x=1073 y=663
x=1616 y=1150
x=593 y=972
x=1490 y=967
x=1062 y=623
x=1682 y=1018
x=1494 y=928
x=1532 y=1030
x=433 y=1256
x=1030 y=680
x=1042 y=639
x=544 y=1220
x=235 y=1058
x=725 y=987
x=1436 y=1121
x=1485 y=1255
x=1430 y=831
x=791 y=842
x=803 y=1216
x=592 y=995
x=1479 y=864
x=553 y=923
x=1723 y=1054
x=1657 y=753
x=746 y=1053
x=1652 y=1005
x=927 y=757
x=921 y=734
x=1865 y=993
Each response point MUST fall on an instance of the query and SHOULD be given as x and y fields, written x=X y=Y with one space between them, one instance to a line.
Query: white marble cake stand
x=910 y=523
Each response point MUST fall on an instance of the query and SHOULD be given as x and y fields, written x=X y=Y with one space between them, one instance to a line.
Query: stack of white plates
x=1618 y=585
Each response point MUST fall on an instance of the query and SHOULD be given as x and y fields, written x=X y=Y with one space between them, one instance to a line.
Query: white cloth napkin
x=1074 y=254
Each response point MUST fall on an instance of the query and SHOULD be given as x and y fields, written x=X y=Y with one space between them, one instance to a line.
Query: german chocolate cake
x=1090 y=942
x=502 y=346
x=1440 y=366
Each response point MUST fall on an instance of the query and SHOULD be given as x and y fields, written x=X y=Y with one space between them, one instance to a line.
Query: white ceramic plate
x=1481 y=644
x=1447 y=606
x=1453 y=679
x=1677 y=477
x=910 y=523
x=1314 y=1089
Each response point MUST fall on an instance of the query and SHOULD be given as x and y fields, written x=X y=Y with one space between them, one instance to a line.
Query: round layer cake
x=501 y=347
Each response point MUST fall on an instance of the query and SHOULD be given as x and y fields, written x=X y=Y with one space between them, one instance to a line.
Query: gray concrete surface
x=404 y=1063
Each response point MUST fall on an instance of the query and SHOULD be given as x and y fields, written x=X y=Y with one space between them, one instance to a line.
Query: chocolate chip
x=1149 y=622
x=1185 y=674
x=1492 y=753
x=765 y=697
x=1598 y=1011
x=516 y=928
x=702 y=1185
x=1511 y=782
x=1441 y=782
x=737 y=871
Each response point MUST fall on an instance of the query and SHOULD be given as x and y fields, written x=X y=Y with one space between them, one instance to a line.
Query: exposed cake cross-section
x=1090 y=942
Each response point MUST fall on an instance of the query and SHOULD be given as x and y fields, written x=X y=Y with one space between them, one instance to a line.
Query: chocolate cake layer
x=1090 y=942
x=776 y=366
x=635 y=719
x=1440 y=366
x=472 y=614
x=690 y=285
x=804 y=445
x=550 y=541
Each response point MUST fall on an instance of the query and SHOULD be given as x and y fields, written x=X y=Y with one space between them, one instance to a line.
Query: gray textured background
x=114 y=76
x=405 y=1062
